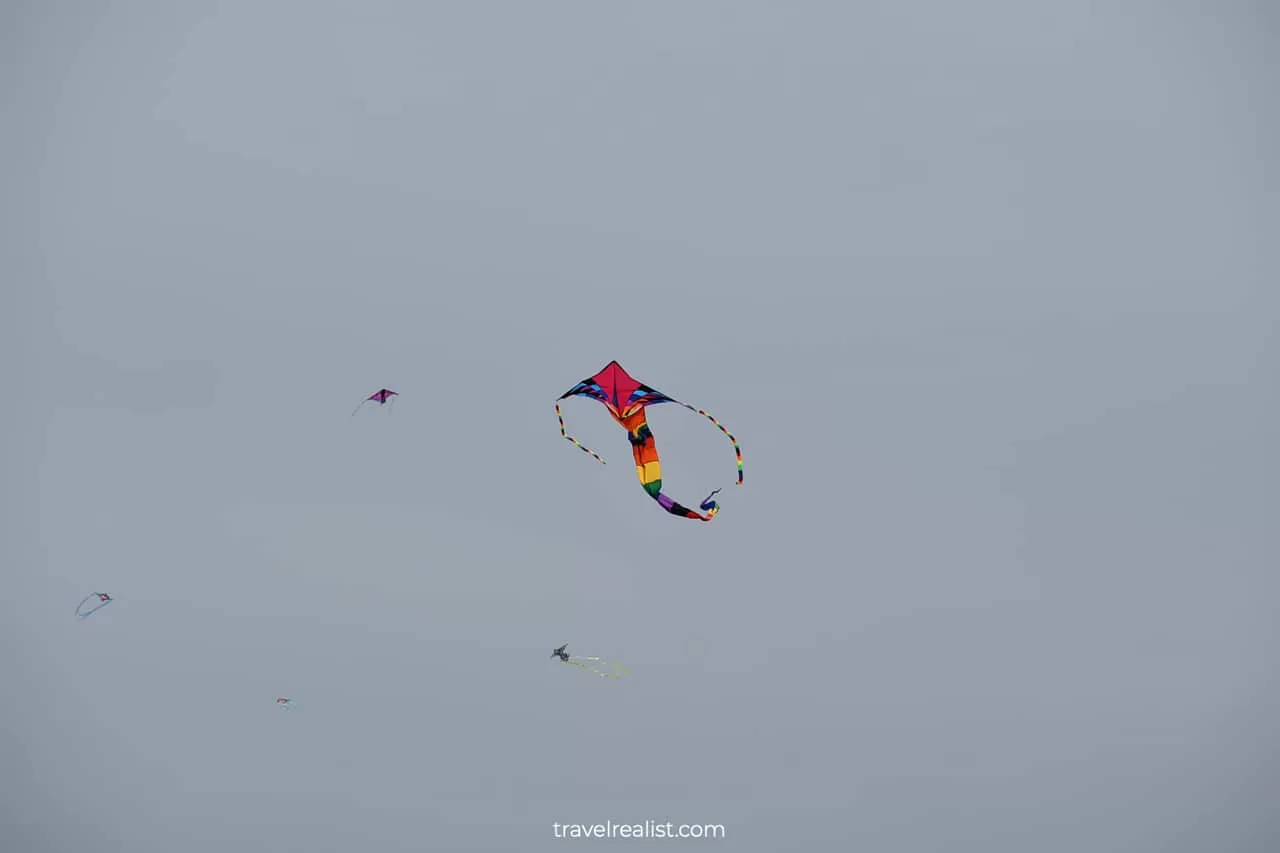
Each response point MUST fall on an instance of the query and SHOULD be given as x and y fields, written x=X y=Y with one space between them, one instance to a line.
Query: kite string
x=737 y=450
x=574 y=441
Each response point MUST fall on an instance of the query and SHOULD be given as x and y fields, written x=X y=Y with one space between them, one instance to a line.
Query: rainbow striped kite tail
x=709 y=506
x=737 y=449
x=565 y=435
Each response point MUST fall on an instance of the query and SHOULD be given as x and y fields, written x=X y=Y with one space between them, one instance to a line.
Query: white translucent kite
x=596 y=665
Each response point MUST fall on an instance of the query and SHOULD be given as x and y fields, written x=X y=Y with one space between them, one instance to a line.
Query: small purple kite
x=381 y=397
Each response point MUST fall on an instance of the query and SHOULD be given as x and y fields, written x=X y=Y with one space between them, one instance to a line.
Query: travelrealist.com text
x=648 y=829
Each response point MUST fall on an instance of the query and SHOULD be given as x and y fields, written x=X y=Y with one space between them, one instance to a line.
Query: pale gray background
x=985 y=289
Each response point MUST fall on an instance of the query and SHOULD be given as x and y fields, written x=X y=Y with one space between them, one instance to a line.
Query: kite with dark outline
x=101 y=600
x=626 y=399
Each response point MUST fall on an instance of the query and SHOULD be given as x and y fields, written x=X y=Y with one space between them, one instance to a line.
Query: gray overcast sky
x=986 y=290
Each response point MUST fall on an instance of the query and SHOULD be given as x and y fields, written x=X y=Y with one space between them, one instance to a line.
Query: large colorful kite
x=626 y=399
